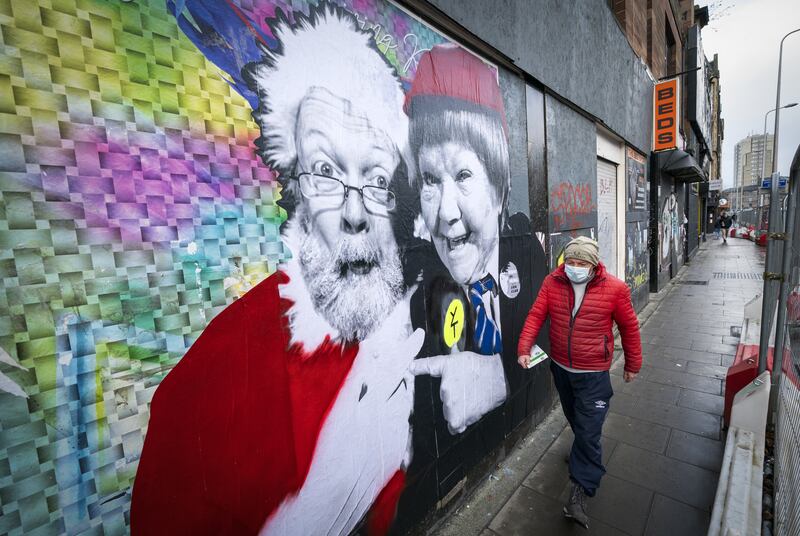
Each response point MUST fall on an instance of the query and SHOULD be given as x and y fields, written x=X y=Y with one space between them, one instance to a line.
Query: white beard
x=353 y=304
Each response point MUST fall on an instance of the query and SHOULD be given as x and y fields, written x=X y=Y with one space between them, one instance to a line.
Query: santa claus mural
x=290 y=414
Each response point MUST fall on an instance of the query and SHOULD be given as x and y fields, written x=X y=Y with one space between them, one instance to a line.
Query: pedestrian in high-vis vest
x=583 y=302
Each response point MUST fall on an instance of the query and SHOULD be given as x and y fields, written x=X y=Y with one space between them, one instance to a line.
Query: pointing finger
x=428 y=365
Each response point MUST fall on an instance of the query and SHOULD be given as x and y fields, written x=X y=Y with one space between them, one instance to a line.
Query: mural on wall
x=637 y=261
x=672 y=232
x=259 y=275
x=672 y=228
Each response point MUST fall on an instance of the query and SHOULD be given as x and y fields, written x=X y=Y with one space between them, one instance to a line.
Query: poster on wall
x=637 y=260
x=637 y=185
x=256 y=255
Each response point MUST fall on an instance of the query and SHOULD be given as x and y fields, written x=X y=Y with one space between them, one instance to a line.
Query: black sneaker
x=575 y=509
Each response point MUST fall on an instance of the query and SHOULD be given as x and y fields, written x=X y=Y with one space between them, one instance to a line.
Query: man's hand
x=628 y=376
x=472 y=385
x=524 y=361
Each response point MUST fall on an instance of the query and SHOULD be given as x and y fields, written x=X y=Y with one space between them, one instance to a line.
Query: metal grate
x=738 y=275
x=687 y=282
x=787 y=459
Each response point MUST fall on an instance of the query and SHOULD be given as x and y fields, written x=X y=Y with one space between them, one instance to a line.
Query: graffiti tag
x=386 y=42
x=568 y=202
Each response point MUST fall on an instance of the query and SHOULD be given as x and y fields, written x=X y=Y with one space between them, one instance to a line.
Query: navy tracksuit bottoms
x=585 y=398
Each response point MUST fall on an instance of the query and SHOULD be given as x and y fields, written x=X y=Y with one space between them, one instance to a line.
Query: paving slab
x=702 y=401
x=717 y=348
x=657 y=392
x=550 y=476
x=705 y=369
x=620 y=504
x=692 y=355
x=663 y=361
x=529 y=512
x=642 y=434
x=686 y=380
x=669 y=517
x=699 y=451
x=688 y=420
x=667 y=476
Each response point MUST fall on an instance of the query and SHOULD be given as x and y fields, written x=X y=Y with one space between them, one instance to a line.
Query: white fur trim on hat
x=326 y=51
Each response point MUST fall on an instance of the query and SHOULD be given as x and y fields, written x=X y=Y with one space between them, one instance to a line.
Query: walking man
x=583 y=301
x=725 y=222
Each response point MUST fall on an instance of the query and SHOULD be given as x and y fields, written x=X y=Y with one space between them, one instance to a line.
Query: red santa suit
x=269 y=424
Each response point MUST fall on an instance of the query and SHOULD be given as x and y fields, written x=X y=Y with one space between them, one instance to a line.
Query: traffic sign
x=767 y=183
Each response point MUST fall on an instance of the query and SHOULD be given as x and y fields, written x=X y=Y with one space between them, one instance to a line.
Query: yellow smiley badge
x=453 y=322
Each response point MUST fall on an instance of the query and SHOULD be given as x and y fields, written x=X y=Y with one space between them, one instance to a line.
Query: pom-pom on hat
x=450 y=72
x=584 y=249
x=325 y=50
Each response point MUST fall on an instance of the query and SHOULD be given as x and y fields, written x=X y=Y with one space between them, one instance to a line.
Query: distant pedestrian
x=716 y=229
x=583 y=300
x=725 y=223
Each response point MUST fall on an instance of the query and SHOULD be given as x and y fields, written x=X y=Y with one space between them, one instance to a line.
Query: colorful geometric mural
x=133 y=211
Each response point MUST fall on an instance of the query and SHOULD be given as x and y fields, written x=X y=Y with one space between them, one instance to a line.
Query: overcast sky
x=746 y=34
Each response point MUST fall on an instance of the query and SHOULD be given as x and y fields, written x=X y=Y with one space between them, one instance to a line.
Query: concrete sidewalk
x=662 y=440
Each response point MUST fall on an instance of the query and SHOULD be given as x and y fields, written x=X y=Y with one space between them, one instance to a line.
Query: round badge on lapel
x=453 y=322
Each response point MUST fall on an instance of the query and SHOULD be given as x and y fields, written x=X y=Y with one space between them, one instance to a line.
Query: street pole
x=764 y=153
x=771 y=277
x=778 y=106
x=764 y=146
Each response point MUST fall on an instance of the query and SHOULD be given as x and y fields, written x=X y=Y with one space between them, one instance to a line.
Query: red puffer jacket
x=585 y=341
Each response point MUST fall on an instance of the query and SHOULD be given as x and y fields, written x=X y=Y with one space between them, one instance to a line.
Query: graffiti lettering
x=568 y=202
x=412 y=39
x=383 y=40
x=386 y=42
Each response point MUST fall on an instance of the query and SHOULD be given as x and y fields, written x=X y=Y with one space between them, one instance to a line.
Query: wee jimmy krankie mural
x=259 y=273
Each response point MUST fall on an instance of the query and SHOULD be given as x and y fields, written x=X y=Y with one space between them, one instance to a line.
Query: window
x=669 y=49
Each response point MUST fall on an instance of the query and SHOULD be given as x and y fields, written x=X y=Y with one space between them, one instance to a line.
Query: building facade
x=667 y=37
x=749 y=162
x=165 y=338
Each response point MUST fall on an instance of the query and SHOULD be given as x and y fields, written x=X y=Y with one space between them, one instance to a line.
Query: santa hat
x=450 y=73
x=324 y=50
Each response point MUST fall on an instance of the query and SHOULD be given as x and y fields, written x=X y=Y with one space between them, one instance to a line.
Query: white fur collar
x=306 y=325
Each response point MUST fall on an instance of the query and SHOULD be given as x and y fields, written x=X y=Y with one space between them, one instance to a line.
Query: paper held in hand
x=537 y=356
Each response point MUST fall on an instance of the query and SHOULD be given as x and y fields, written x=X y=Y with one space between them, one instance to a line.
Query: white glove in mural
x=472 y=385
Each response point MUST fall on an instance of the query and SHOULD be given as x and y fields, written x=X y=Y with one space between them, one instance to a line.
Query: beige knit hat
x=583 y=248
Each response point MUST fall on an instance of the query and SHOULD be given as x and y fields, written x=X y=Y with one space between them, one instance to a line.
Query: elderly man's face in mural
x=348 y=254
x=459 y=207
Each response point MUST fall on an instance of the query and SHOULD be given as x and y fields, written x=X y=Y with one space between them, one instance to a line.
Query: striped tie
x=487 y=336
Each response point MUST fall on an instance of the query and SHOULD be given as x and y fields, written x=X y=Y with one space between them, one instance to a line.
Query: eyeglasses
x=375 y=198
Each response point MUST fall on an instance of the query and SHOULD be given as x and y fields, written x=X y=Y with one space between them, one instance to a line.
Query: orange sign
x=665 y=115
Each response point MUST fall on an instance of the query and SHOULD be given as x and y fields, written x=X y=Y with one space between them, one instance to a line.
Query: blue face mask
x=576 y=274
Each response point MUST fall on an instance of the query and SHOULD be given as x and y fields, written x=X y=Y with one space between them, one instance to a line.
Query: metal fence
x=787 y=422
x=749 y=217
